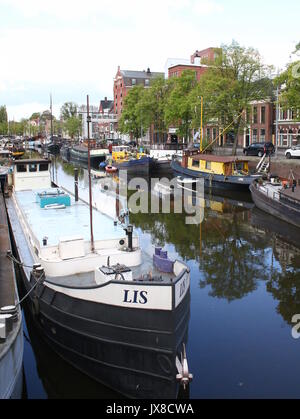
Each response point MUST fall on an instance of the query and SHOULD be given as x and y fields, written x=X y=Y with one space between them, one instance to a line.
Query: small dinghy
x=111 y=169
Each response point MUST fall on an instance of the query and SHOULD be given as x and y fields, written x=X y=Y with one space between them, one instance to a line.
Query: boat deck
x=290 y=194
x=146 y=272
x=69 y=222
x=270 y=190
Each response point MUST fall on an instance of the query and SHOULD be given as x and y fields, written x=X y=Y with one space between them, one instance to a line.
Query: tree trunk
x=236 y=134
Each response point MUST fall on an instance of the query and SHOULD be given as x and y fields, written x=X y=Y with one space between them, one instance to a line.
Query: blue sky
x=73 y=48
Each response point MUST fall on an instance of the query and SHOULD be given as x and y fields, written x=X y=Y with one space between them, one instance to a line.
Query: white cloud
x=76 y=9
x=25 y=110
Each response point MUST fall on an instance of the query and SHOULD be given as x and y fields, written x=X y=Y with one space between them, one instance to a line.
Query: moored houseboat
x=163 y=154
x=218 y=172
x=79 y=155
x=133 y=162
x=108 y=308
x=275 y=198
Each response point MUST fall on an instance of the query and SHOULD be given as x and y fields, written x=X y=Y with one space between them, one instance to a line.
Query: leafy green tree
x=152 y=107
x=68 y=110
x=3 y=120
x=290 y=82
x=34 y=116
x=235 y=79
x=72 y=126
x=131 y=120
x=178 y=109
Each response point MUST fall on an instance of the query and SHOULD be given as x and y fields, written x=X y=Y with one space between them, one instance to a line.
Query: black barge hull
x=278 y=208
x=130 y=351
x=214 y=182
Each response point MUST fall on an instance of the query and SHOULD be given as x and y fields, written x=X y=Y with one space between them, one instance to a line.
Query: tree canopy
x=232 y=81
x=289 y=81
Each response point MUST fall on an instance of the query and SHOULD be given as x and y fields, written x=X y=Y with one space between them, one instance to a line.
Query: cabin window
x=208 y=165
x=239 y=166
x=21 y=168
x=196 y=163
x=32 y=168
x=43 y=167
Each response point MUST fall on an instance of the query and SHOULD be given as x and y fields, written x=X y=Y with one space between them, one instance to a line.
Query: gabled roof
x=106 y=104
x=140 y=76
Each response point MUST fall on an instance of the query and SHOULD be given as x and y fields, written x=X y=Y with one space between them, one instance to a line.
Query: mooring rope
x=38 y=281
x=41 y=277
x=13 y=259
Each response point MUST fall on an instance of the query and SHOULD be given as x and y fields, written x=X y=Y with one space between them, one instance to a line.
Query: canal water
x=245 y=290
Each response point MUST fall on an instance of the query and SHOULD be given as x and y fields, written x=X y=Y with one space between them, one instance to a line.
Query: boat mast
x=51 y=116
x=89 y=171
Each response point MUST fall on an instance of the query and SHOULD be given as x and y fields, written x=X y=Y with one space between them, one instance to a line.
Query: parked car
x=293 y=152
x=259 y=149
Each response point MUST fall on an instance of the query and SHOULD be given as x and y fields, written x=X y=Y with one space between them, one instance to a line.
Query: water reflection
x=284 y=282
x=238 y=255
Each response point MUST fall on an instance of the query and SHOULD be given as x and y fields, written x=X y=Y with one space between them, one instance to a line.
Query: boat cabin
x=217 y=165
x=31 y=174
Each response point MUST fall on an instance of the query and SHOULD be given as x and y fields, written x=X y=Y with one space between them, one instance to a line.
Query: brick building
x=107 y=120
x=125 y=80
x=288 y=128
x=197 y=63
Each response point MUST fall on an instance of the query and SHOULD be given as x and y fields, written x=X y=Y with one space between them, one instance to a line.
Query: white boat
x=116 y=313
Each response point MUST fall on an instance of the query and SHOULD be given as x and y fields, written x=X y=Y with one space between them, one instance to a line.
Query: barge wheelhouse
x=218 y=172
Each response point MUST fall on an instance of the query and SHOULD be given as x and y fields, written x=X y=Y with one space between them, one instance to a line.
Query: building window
x=147 y=82
x=281 y=138
x=208 y=133
x=262 y=135
x=254 y=135
x=133 y=82
x=254 y=115
x=196 y=163
x=263 y=115
x=208 y=165
x=290 y=138
x=214 y=133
